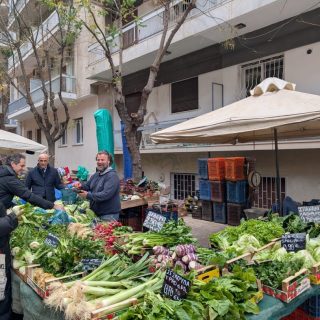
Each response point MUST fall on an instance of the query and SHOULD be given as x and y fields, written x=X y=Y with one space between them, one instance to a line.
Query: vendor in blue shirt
x=103 y=189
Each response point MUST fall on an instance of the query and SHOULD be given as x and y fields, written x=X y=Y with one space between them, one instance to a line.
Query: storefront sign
x=310 y=213
x=154 y=221
x=294 y=242
x=174 y=286
x=51 y=240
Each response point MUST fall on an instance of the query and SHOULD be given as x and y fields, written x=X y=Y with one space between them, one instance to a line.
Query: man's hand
x=77 y=185
x=58 y=206
x=83 y=194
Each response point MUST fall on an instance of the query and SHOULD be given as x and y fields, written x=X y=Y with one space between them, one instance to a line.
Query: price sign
x=90 y=264
x=51 y=240
x=154 y=221
x=174 y=286
x=310 y=213
x=294 y=242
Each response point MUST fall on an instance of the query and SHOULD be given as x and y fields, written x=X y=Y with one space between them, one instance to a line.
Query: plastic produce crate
x=207 y=213
x=218 y=191
x=237 y=191
x=219 y=212
x=312 y=306
x=132 y=218
x=205 y=189
x=203 y=168
x=216 y=169
x=234 y=213
x=235 y=168
x=197 y=213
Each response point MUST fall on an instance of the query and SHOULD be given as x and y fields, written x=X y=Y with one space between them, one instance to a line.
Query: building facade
x=222 y=51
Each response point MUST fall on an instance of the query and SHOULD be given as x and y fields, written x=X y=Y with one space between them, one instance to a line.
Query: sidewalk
x=202 y=229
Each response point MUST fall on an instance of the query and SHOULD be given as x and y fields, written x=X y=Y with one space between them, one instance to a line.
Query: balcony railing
x=44 y=30
x=147 y=130
x=151 y=24
x=68 y=86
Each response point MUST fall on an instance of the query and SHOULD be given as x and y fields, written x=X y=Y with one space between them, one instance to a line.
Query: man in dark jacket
x=11 y=186
x=43 y=179
x=102 y=189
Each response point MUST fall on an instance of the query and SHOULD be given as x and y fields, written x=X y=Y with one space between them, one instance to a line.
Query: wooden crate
x=291 y=287
x=315 y=274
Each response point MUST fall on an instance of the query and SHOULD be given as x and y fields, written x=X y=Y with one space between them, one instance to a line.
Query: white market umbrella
x=273 y=111
x=11 y=142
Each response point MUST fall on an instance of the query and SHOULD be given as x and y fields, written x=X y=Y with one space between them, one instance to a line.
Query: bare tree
x=107 y=36
x=48 y=50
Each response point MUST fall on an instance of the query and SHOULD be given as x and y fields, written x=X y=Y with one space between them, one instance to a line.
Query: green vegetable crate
x=291 y=287
x=44 y=292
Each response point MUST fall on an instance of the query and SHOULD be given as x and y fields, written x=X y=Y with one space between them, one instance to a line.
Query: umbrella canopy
x=273 y=104
x=10 y=142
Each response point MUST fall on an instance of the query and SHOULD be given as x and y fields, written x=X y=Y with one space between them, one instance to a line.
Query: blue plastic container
x=237 y=191
x=219 y=212
x=203 y=168
x=205 y=189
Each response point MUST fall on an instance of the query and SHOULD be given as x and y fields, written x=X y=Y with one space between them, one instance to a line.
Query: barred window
x=183 y=185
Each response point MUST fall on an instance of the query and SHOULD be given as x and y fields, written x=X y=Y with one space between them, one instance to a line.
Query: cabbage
x=247 y=243
x=280 y=254
x=312 y=244
x=316 y=254
x=308 y=260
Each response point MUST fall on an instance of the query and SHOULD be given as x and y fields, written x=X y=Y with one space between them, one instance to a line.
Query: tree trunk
x=2 y=122
x=51 y=151
x=133 y=146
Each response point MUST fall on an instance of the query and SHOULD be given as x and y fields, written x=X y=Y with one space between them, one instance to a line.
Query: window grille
x=254 y=72
x=266 y=194
x=183 y=185
x=78 y=131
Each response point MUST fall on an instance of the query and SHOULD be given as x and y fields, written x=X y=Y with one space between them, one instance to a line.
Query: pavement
x=202 y=229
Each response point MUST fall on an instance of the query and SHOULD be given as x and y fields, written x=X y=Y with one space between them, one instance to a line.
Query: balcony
x=150 y=25
x=20 y=106
x=43 y=33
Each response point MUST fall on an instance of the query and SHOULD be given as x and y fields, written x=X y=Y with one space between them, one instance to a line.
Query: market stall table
x=272 y=308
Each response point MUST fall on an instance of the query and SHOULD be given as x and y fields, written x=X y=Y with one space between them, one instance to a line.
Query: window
x=133 y=102
x=64 y=138
x=183 y=185
x=184 y=95
x=29 y=134
x=38 y=135
x=266 y=194
x=253 y=73
x=78 y=131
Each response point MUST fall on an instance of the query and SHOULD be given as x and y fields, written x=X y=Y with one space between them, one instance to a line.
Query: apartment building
x=75 y=147
x=203 y=70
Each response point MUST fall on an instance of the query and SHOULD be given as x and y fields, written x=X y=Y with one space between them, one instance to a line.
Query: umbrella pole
x=279 y=202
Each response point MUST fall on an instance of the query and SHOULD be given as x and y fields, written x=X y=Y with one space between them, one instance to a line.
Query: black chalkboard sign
x=294 y=242
x=51 y=240
x=175 y=286
x=90 y=264
x=310 y=213
x=154 y=221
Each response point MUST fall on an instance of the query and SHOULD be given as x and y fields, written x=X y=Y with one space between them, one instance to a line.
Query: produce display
x=123 y=273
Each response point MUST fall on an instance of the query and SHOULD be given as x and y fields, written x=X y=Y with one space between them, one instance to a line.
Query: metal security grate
x=183 y=185
x=253 y=73
x=266 y=193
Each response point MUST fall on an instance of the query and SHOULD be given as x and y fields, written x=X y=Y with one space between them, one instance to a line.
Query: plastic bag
x=60 y=217
x=82 y=173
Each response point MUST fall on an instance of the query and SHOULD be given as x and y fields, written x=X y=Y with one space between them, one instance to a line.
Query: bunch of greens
x=272 y=273
x=263 y=231
x=229 y=297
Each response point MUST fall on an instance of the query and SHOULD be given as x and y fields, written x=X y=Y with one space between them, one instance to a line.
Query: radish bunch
x=184 y=257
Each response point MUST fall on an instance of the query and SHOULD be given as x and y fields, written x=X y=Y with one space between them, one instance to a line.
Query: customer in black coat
x=43 y=179
x=11 y=186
